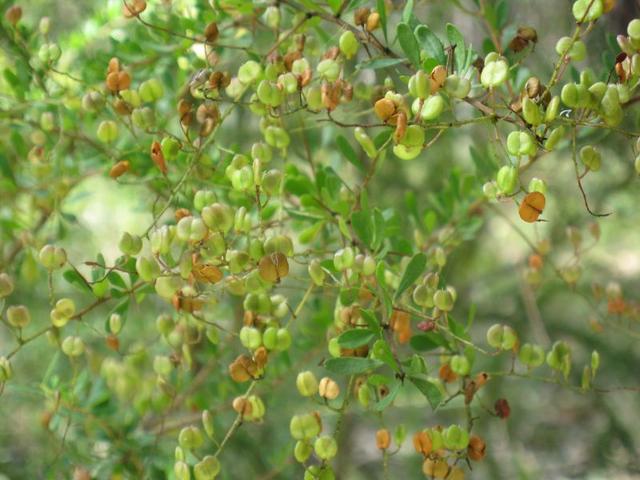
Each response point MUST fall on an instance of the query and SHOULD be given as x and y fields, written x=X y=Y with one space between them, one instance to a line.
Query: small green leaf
x=428 y=341
x=429 y=389
x=382 y=10
x=352 y=365
x=378 y=63
x=349 y=153
x=362 y=223
x=455 y=38
x=390 y=397
x=372 y=320
x=75 y=279
x=412 y=272
x=356 y=338
x=408 y=43
x=430 y=43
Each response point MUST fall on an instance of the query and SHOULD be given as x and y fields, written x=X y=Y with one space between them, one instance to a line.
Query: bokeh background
x=553 y=432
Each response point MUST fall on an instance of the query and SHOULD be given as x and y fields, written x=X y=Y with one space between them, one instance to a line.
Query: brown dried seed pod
x=261 y=356
x=242 y=406
x=291 y=57
x=114 y=65
x=532 y=88
x=133 y=8
x=13 y=14
x=121 y=107
x=112 y=82
x=422 y=443
x=328 y=388
x=383 y=439
x=119 y=169
x=361 y=15
x=477 y=448
x=373 y=21
x=158 y=157
x=330 y=95
x=401 y=127
x=446 y=374
x=438 y=75
x=181 y=213
x=207 y=273
x=273 y=267
x=113 y=343
x=211 y=32
x=384 y=109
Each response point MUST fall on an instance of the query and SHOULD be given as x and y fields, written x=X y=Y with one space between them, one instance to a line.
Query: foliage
x=288 y=277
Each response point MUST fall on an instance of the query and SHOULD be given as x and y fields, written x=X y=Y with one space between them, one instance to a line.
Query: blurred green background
x=553 y=432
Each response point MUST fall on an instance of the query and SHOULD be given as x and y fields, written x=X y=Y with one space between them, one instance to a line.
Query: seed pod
x=13 y=14
x=328 y=388
x=373 y=21
x=435 y=468
x=273 y=267
x=18 y=316
x=325 y=447
x=531 y=207
x=502 y=408
x=119 y=169
x=133 y=8
x=476 y=450
x=384 y=108
x=383 y=439
x=360 y=16
x=6 y=285
x=307 y=384
x=211 y=32
x=158 y=157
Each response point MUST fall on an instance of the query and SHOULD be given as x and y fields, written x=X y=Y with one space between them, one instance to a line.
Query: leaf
x=383 y=353
x=408 y=43
x=455 y=38
x=426 y=342
x=356 y=337
x=386 y=401
x=382 y=10
x=378 y=63
x=351 y=365
x=414 y=269
x=349 y=153
x=386 y=298
x=372 y=320
x=77 y=280
x=335 y=5
x=429 y=389
x=362 y=223
x=430 y=43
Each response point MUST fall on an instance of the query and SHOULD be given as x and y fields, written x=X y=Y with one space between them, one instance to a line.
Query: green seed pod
x=6 y=372
x=413 y=137
x=130 y=244
x=162 y=365
x=304 y=427
x=307 y=384
x=343 y=259
x=633 y=29
x=554 y=137
x=283 y=339
x=190 y=229
x=47 y=121
x=218 y=217
x=490 y=190
x=92 y=101
x=569 y=95
x=591 y=158
x=147 y=268
x=460 y=365
x=531 y=355
x=316 y=272
x=552 y=109
x=365 y=142
x=349 y=44
x=151 y=90
x=279 y=244
x=272 y=17
x=587 y=10
x=420 y=85
x=6 y=285
x=190 y=438
x=531 y=112
x=131 y=97
x=72 y=346
x=537 y=185
x=250 y=337
x=52 y=257
x=559 y=358
x=507 y=180
x=143 y=118
x=636 y=164
x=494 y=73
x=432 y=108
x=302 y=451
x=406 y=153
x=166 y=287
x=325 y=447
x=249 y=72
x=520 y=144
x=314 y=98
x=455 y=438
x=207 y=469
x=18 y=316
x=328 y=69
x=443 y=300
x=107 y=131
x=181 y=470
x=501 y=337
x=277 y=137
x=170 y=147
x=457 y=87
x=595 y=363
